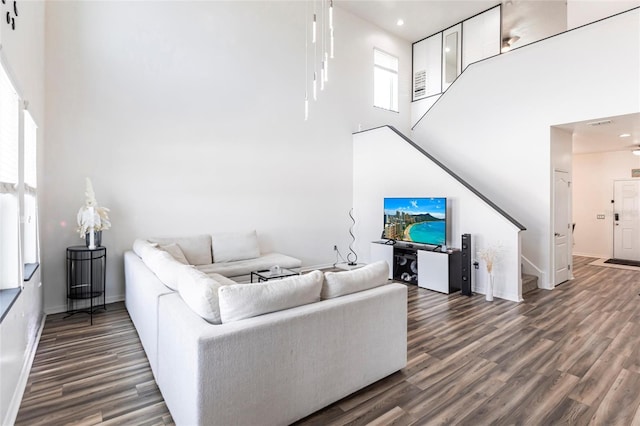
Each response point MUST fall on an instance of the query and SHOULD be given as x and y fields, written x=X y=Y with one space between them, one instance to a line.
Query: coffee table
x=266 y=274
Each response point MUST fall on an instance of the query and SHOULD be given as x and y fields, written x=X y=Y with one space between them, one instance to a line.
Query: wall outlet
x=600 y=216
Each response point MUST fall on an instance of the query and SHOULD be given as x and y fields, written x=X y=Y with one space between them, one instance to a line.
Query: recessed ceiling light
x=400 y=22
x=624 y=135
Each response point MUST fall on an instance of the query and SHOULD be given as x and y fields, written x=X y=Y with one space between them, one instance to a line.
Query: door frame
x=552 y=280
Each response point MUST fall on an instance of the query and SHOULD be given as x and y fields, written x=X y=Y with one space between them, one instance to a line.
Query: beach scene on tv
x=418 y=220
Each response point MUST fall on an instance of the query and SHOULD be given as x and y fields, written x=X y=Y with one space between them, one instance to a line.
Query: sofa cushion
x=164 y=266
x=200 y=292
x=174 y=250
x=232 y=246
x=346 y=282
x=197 y=249
x=242 y=301
x=244 y=267
x=140 y=246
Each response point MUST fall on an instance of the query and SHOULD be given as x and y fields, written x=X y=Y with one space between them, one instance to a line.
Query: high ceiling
x=530 y=20
x=421 y=17
x=603 y=134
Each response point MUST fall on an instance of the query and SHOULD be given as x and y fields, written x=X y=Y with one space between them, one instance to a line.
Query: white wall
x=188 y=117
x=23 y=52
x=385 y=165
x=581 y=12
x=593 y=176
x=492 y=125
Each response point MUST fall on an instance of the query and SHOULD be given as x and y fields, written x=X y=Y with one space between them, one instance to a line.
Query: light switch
x=600 y=216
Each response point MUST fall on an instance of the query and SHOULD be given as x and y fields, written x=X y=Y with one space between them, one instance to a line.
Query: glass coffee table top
x=268 y=274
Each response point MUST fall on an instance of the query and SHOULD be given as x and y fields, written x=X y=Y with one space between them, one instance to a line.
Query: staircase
x=529 y=283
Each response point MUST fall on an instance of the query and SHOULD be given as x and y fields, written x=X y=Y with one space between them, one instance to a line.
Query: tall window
x=30 y=213
x=9 y=179
x=18 y=196
x=385 y=80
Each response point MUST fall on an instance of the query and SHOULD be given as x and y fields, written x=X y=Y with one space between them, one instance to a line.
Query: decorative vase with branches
x=489 y=255
x=91 y=217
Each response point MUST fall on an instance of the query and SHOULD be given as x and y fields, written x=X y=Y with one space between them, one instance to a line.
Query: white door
x=626 y=219
x=561 y=227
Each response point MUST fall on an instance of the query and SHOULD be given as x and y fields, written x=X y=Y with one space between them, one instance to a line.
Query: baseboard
x=63 y=308
x=599 y=256
x=14 y=406
x=480 y=289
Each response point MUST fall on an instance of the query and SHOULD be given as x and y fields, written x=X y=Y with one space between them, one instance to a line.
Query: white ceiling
x=422 y=18
x=606 y=137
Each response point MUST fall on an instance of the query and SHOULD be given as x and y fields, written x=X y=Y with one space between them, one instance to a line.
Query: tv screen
x=416 y=220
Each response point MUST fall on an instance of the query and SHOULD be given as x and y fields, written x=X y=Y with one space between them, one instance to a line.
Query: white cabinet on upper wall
x=481 y=37
x=439 y=59
x=427 y=72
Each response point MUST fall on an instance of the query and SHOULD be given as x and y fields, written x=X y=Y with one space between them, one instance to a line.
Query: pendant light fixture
x=306 y=65
x=322 y=40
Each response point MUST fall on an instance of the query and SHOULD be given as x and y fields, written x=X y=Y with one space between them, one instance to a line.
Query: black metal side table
x=86 y=272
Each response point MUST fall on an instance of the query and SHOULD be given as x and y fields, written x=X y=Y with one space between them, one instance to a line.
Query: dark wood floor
x=86 y=374
x=568 y=356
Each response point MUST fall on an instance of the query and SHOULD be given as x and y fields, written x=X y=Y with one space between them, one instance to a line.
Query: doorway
x=626 y=219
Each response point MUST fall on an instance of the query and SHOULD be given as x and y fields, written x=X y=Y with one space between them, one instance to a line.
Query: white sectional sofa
x=231 y=254
x=262 y=354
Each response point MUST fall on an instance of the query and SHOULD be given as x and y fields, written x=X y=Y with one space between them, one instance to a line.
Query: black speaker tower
x=466 y=265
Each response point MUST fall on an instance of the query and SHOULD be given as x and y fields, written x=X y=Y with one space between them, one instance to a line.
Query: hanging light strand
x=325 y=28
x=331 y=28
x=322 y=38
x=323 y=67
x=315 y=55
x=306 y=63
x=315 y=23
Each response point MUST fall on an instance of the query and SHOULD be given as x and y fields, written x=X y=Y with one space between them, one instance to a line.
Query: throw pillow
x=242 y=301
x=140 y=246
x=196 y=249
x=164 y=266
x=347 y=282
x=175 y=251
x=200 y=293
x=231 y=246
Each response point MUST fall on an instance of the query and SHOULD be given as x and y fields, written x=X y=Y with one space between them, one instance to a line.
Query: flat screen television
x=416 y=220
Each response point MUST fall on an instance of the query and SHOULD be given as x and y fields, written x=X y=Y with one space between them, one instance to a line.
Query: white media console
x=419 y=264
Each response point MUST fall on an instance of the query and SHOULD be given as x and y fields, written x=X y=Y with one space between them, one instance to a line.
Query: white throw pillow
x=175 y=251
x=242 y=301
x=164 y=266
x=197 y=249
x=200 y=293
x=231 y=246
x=140 y=246
x=347 y=282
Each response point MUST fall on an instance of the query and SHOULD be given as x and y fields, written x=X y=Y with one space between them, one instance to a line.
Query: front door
x=561 y=227
x=626 y=219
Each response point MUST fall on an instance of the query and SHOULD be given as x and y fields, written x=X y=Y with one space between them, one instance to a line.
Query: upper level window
x=385 y=80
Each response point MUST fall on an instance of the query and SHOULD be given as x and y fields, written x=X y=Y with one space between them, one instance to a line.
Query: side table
x=86 y=272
